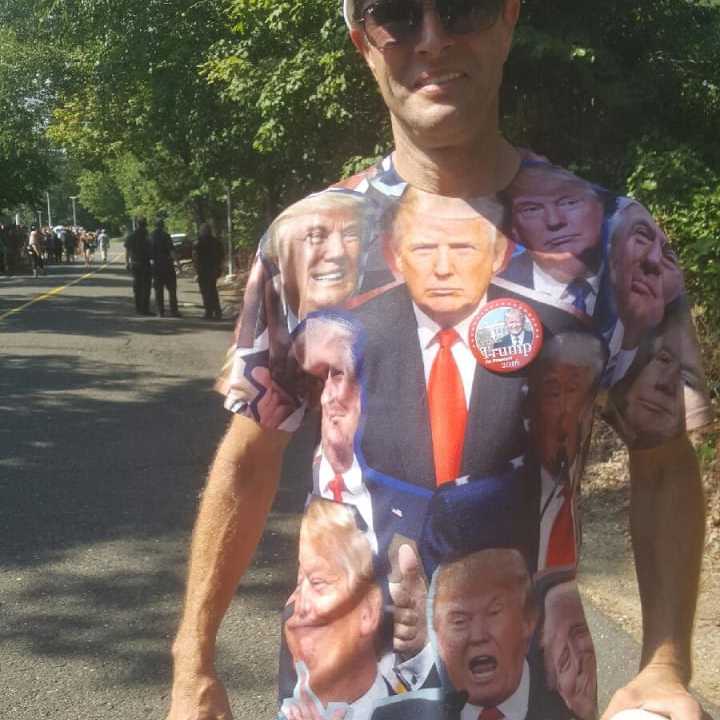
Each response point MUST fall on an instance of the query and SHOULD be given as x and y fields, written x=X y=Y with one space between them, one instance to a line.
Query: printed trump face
x=559 y=221
x=319 y=243
x=447 y=263
x=569 y=655
x=644 y=271
x=483 y=623
x=336 y=606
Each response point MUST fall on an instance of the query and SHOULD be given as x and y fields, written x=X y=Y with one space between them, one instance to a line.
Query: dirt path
x=608 y=572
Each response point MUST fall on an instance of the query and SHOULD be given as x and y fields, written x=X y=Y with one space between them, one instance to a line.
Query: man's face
x=483 y=635
x=442 y=87
x=559 y=397
x=333 y=623
x=561 y=230
x=324 y=256
x=340 y=402
x=654 y=402
x=570 y=665
x=645 y=271
x=447 y=265
x=514 y=322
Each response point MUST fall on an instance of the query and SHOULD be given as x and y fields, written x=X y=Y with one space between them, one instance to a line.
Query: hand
x=199 y=697
x=409 y=596
x=658 y=689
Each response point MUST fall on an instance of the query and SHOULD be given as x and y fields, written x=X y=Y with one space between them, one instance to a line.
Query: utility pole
x=74 y=199
x=47 y=197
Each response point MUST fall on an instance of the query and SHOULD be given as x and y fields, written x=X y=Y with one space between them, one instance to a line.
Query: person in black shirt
x=164 y=269
x=139 y=253
x=208 y=256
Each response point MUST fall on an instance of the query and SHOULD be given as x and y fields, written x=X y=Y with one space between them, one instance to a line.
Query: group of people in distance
x=43 y=246
x=439 y=544
x=151 y=258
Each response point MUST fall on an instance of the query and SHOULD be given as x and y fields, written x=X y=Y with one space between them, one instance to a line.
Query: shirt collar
x=428 y=328
x=593 y=281
x=514 y=708
x=352 y=477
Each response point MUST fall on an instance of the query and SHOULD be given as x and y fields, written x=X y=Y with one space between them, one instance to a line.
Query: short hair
x=507 y=564
x=346 y=331
x=332 y=526
x=323 y=202
x=541 y=178
x=576 y=348
x=414 y=202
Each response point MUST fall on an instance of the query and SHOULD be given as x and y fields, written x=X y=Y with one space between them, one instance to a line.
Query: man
x=319 y=245
x=103 y=239
x=516 y=335
x=446 y=251
x=163 y=262
x=558 y=218
x=139 y=258
x=332 y=632
x=484 y=617
x=568 y=653
x=560 y=395
x=439 y=70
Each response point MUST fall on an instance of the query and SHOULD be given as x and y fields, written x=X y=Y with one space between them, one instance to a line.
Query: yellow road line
x=55 y=291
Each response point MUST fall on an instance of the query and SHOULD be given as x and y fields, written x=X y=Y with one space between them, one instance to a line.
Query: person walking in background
x=139 y=251
x=103 y=240
x=35 y=252
x=208 y=257
x=164 y=269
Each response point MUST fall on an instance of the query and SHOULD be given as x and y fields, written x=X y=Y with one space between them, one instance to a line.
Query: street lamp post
x=74 y=199
x=47 y=197
x=229 y=234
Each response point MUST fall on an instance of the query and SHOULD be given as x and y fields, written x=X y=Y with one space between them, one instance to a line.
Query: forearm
x=667 y=525
x=237 y=498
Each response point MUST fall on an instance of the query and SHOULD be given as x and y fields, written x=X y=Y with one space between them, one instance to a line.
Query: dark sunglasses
x=388 y=23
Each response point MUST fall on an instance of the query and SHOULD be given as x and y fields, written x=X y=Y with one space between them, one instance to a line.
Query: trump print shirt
x=457 y=351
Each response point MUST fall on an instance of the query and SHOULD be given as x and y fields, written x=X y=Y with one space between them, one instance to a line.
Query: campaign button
x=506 y=335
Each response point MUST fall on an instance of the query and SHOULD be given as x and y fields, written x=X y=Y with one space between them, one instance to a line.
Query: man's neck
x=482 y=166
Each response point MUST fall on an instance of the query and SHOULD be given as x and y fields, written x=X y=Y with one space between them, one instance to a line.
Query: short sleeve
x=657 y=387
x=262 y=379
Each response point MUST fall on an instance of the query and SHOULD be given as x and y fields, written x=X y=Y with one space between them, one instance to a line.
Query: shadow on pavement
x=95 y=527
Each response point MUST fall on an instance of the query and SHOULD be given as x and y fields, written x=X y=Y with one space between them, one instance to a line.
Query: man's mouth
x=436 y=79
x=654 y=407
x=642 y=287
x=483 y=668
x=561 y=241
x=329 y=277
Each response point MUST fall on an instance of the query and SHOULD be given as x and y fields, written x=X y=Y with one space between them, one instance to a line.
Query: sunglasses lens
x=389 y=22
x=467 y=16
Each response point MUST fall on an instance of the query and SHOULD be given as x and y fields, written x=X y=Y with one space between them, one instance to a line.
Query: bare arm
x=667 y=524
x=235 y=504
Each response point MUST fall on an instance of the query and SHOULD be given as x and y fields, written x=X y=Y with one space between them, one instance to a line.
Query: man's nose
x=652 y=257
x=554 y=216
x=443 y=262
x=433 y=36
x=479 y=631
x=334 y=246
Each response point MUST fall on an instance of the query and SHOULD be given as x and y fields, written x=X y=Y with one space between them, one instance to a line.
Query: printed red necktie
x=336 y=486
x=561 y=546
x=448 y=410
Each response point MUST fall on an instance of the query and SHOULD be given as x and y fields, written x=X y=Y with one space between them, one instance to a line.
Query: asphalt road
x=107 y=424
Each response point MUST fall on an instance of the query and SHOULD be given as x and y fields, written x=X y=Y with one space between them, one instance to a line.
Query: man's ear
x=511 y=12
x=361 y=45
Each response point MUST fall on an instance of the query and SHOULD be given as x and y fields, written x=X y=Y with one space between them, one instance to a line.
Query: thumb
x=409 y=565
